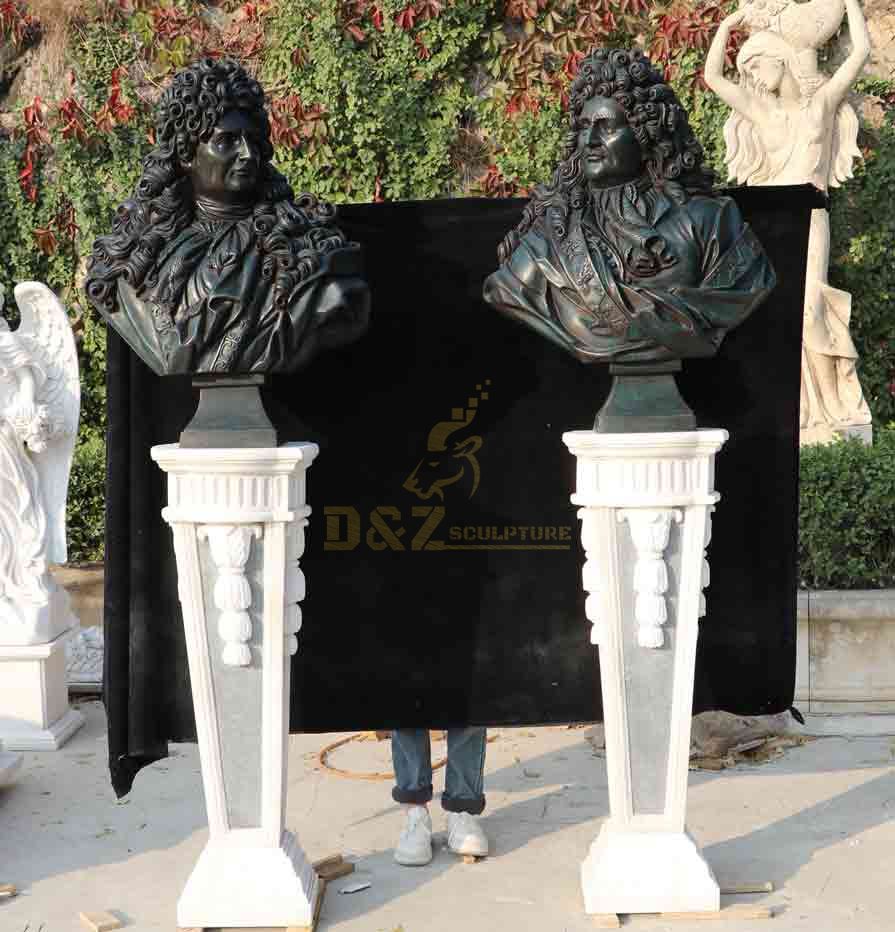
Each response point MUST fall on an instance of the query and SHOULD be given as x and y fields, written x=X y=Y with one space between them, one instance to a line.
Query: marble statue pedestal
x=34 y=710
x=645 y=506
x=238 y=519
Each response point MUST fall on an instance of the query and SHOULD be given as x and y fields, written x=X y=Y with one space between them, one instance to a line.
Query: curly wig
x=291 y=235
x=671 y=152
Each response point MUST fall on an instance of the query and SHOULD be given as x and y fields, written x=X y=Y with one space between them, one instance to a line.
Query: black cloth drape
x=443 y=562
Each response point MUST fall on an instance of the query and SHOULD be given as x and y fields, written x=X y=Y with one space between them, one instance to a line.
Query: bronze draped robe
x=638 y=275
x=208 y=305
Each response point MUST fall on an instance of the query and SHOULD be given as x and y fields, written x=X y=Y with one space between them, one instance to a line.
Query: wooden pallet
x=328 y=869
x=735 y=911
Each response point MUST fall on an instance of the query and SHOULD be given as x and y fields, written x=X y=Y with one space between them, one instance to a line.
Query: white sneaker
x=414 y=848
x=465 y=835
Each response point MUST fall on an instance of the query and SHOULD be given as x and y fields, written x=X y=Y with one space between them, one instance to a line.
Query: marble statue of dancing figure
x=792 y=124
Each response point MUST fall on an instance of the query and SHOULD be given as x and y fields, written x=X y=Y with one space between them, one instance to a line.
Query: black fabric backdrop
x=409 y=627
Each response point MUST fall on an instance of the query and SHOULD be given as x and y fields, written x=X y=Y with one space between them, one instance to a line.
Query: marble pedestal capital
x=645 y=503
x=238 y=519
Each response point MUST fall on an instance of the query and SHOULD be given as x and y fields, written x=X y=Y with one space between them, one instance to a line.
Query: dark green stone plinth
x=230 y=414
x=644 y=398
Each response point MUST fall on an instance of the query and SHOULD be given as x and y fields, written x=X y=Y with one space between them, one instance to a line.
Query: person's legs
x=463 y=795
x=412 y=760
x=465 y=773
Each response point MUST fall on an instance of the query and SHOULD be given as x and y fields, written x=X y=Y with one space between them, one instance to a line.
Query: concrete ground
x=817 y=822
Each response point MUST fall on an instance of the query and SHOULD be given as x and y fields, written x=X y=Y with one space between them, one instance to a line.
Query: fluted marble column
x=645 y=506
x=238 y=519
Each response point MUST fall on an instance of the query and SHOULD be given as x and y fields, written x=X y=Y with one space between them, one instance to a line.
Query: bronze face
x=226 y=166
x=610 y=153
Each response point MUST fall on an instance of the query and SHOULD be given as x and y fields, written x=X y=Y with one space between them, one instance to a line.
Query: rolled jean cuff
x=412 y=797
x=474 y=805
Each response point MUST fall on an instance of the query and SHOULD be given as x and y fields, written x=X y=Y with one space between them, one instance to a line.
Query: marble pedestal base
x=241 y=884
x=238 y=517
x=645 y=507
x=864 y=433
x=34 y=710
x=646 y=872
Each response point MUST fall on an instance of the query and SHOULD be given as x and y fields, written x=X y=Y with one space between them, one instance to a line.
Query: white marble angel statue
x=40 y=398
x=792 y=124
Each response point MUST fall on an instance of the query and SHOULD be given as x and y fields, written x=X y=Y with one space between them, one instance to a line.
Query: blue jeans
x=465 y=771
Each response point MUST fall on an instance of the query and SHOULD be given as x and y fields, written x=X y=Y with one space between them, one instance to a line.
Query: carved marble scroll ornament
x=791 y=124
x=39 y=405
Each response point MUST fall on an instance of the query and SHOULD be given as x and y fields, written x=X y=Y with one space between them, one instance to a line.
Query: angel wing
x=46 y=331
x=845 y=145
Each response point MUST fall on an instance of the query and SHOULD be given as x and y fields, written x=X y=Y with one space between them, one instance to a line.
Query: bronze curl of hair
x=671 y=152
x=291 y=234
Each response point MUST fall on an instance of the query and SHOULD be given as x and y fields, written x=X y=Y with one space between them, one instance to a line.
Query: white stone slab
x=803 y=679
x=34 y=710
x=852 y=660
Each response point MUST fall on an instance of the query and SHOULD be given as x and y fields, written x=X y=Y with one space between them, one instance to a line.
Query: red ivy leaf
x=523 y=9
x=46 y=240
x=493 y=183
x=70 y=114
x=570 y=68
x=65 y=222
x=428 y=9
x=633 y=7
x=406 y=17
x=26 y=177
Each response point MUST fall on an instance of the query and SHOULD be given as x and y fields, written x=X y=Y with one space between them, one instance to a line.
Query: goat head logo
x=450 y=454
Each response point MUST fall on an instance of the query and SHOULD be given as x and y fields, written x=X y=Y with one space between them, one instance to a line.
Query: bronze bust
x=212 y=265
x=627 y=256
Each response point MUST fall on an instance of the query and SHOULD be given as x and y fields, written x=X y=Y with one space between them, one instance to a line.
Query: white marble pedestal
x=34 y=710
x=645 y=505
x=238 y=518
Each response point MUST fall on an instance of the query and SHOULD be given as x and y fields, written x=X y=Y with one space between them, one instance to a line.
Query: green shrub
x=387 y=100
x=847 y=514
x=86 y=501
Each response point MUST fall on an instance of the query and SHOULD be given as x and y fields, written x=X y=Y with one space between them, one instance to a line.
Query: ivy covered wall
x=370 y=100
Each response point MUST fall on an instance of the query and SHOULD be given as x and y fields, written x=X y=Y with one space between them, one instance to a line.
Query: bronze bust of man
x=627 y=256
x=212 y=266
